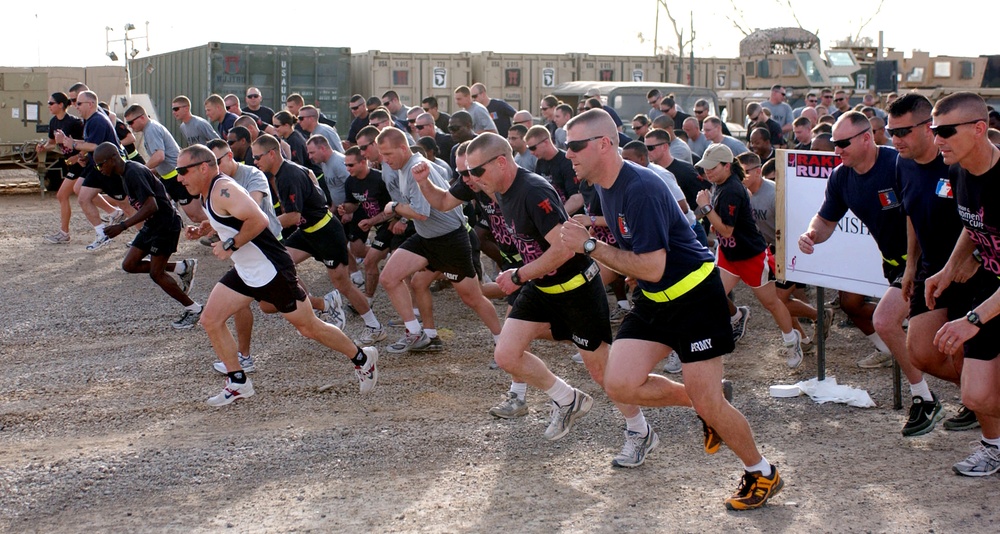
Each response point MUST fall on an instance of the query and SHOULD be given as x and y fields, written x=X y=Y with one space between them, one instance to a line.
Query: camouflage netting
x=777 y=41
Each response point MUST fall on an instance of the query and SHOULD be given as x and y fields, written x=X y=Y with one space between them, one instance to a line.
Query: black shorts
x=178 y=193
x=580 y=315
x=985 y=345
x=398 y=239
x=354 y=233
x=328 y=245
x=159 y=241
x=477 y=260
x=696 y=324
x=894 y=273
x=383 y=237
x=113 y=187
x=282 y=292
x=449 y=254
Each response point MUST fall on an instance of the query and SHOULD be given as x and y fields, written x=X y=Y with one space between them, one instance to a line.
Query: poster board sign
x=850 y=259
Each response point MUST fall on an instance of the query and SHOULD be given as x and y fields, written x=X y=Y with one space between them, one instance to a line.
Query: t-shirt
x=228 y=121
x=356 y=125
x=442 y=121
x=198 y=131
x=438 y=223
x=780 y=113
x=155 y=137
x=592 y=207
x=978 y=200
x=675 y=189
x=501 y=113
x=929 y=201
x=762 y=203
x=734 y=144
x=122 y=131
x=298 y=193
x=370 y=193
x=731 y=202
x=98 y=129
x=644 y=217
x=71 y=126
x=265 y=113
x=531 y=206
x=489 y=211
x=680 y=150
x=253 y=179
x=331 y=136
x=698 y=147
x=559 y=172
x=336 y=175
x=687 y=177
x=481 y=120
x=140 y=185
x=614 y=115
x=526 y=161
x=297 y=144
x=873 y=197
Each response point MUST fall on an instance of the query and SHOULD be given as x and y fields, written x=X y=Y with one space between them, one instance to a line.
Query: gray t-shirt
x=680 y=150
x=698 y=147
x=781 y=113
x=155 y=137
x=559 y=138
x=481 y=120
x=335 y=173
x=526 y=161
x=438 y=223
x=331 y=135
x=735 y=145
x=253 y=179
x=762 y=204
x=391 y=179
x=198 y=131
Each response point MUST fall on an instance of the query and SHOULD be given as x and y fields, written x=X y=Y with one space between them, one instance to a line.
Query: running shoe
x=407 y=342
x=358 y=278
x=246 y=363
x=99 y=243
x=673 y=365
x=618 y=314
x=793 y=351
x=434 y=344
x=187 y=279
x=563 y=417
x=510 y=407
x=985 y=460
x=58 y=238
x=923 y=416
x=636 y=447
x=740 y=327
x=876 y=360
x=965 y=420
x=232 y=393
x=371 y=335
x=187 y=320
x=755 y=489
x=368 y=373
x=116 y=217
x=333 y=313
x=577 y=358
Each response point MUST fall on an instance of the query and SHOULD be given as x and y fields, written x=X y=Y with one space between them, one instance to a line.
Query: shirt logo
x=887 y=197
x=623 y=226
x=546 y=206
x=943 y=188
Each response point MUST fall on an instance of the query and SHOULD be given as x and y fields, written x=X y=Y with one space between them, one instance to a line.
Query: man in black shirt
x=255 y=106
x=757 y=118
x=366 y=197
x=360 y=113
x=554 y=167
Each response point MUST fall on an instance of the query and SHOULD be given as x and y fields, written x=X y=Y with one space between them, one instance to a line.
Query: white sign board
x=850 y=259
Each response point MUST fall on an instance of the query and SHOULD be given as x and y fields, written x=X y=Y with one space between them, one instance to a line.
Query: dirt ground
x=104 y=428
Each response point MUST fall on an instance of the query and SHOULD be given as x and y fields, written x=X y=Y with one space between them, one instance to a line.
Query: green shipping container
x=320 y=74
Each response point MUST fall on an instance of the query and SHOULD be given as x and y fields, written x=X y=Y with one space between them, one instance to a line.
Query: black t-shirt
x=370 y=193
x=297 y=144
x=122 y=130
x=688 y=180
x=442 y=121
x=731 y=202
x=71 y=126
x=140 y=185
x=532 y=207
x=559 y=172
x=489 y=211
x=592 y=207
x=929 y=201
x=501 y=113
x=264 y=113
x=978 y=200
x=299 y=194
x=873 y=197
x=356 y=125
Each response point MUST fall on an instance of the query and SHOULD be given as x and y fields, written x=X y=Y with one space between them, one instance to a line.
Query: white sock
x=519 y=388
x=416 y=312
x=370 y=320
x=623 y=304
x=879 y=344
x=995 y=441
x=637 y=424
x=413 y=327
x=736 y=318
x=431 y=332
x=195 y=307
x=561 y=392
x=496 y=338
x=763 y=467
x=921 y=390
x=789 y=337
x=99 y=229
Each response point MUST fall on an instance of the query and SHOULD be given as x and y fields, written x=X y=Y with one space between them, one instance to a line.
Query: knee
x=886 y=323
x=389 y=281
x=979 y=400
x=131 y=268
x=211 y=321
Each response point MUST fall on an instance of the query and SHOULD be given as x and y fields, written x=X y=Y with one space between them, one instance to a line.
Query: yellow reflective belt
x=322 y=222
x=169 y=175
x=894 y=263
x=686 y=284
x=568 y=285
x=133 y=154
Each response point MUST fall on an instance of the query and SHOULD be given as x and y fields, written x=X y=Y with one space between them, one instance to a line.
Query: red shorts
x=753 y=271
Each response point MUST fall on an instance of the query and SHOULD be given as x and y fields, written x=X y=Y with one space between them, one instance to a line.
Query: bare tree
x=681 y=42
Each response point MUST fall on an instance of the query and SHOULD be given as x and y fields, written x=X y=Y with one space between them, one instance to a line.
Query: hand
x=907 y=283
x=573 y=234
x=365 y=225
x=966 y=269
x=114 y=230
x=59 y=136
x=951 y=338
x=506 y=284
x=935 y=286
x=631 y=282
x=388 y=211
x=40 y=147
x=704 y=198
x=220 y=252
x=398 y=227
x=582 y=219
x=807 y=242
x=421 y=171
x=346 y=217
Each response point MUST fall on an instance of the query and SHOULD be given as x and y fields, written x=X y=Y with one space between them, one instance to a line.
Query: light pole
x=130 y=50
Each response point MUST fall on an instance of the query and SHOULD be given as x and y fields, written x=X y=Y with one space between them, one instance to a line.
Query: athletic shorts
x=383 y=237
x=158 y=242
x=580 y=315
x=113 y=187
x=696 y=324
x=894 y=273
x=178 y=193
x=477 y=260
x=986 y=344
x=282 y=292
x=449 y=254
x=753 y=271
x=398 y=239
x=328 y=245
x=354 y=233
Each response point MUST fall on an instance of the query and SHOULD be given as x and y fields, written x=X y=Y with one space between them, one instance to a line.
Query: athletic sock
x=194 y=307
x=637 y=424
x=763 y=467
x=561 y=392
x=360 y=358
x=370 y=320
x=879 y=344
x=416 y=312
x=496 y=338
x=921 y=390
x=413 y=327
x=994 y=441
x=431 y=332
x=736 y=318
x=519 y=388
x=789 y=338
x=237 y=377
x=99 y=229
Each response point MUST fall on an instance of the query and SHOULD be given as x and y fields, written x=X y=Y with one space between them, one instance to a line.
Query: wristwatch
x=973 y=318
x=230 y=244
x=589 y=246
x=703 y=211
x=516 y=278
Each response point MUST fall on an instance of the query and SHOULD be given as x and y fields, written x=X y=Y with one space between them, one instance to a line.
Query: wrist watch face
x=973 y=317
x=589 y=245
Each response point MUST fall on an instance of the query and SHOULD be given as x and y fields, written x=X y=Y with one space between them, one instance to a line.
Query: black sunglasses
x=650 y=148
x=51 y=102
x=99 y=166
x=421 y=126
x=453 y=128
x=364 y=147
x=534 y=146
x=386 y=104
x=355 y=108
x=129 y=122
x=411 y=121
x=844 y=143
x=464 y=174
x=480 y=170
x=945 y=131
x=253 y=96
x=577 y=146
x=183 y=170
x=176 y=108
x=905 y=130
x=474 y=95
x=257 y=157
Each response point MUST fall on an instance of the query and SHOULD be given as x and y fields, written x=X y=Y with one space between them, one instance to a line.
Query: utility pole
x=130 y=50
x=691 y=45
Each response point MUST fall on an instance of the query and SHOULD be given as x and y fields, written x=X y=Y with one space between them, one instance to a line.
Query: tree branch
x=865 y=23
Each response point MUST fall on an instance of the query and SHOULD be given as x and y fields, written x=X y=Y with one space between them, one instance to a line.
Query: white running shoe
x=99 y=243
x=334 y=312
x=231 y=393
x=368 y=373
x=246 y=363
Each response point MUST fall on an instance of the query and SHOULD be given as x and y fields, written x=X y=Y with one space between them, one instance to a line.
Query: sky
x=35 y=33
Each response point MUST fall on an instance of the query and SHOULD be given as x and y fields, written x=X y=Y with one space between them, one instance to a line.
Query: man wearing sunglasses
x=841 y=103
x=865 y=183
x=195 y=129
x=960 y=131
x=430 y=105
x=308 y=121
x=781 y=112
x=679 y=304
x=425 y=127
x=756 y=118
x=360 y=113
x=553 y=165
x=162 y=150
x=255 y=105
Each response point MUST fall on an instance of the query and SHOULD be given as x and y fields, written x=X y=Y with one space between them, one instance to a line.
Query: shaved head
x=594 y=122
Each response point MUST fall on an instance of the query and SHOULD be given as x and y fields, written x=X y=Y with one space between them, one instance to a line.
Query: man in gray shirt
x=333 y=166
x=522 y=156
x=481 y=120
x=781 y=112
x=696 y=141
x=712 y=130
x=309 y=121
x=195 y=129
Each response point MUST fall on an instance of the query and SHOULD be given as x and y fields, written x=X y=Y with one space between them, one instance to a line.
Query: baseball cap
x=592 y=92
x=715 y=154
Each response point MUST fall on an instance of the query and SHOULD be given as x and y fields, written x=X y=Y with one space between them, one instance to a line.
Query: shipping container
x=24 y=114
x=621 y=68
x=413 y=76
x=522 y=79
x=320 y=74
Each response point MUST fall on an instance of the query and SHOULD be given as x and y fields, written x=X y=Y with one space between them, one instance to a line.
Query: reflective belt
x=572 y=283
x=133 y=154
x=686 y=284
x=322 y=222
x=894 y=263
x=169 y=175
